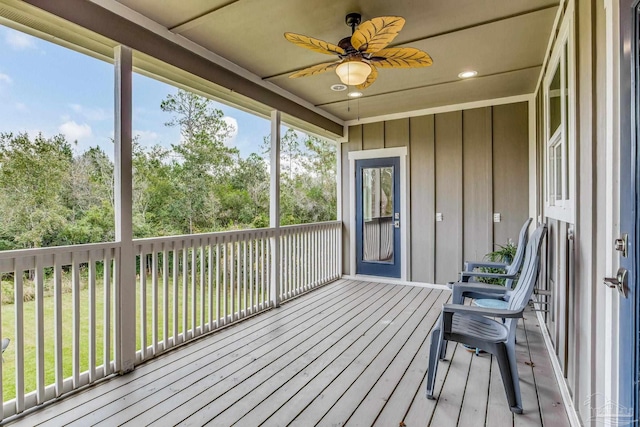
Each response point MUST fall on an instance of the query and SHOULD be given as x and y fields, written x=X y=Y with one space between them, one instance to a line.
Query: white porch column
x=125 y=302
x=274 y=207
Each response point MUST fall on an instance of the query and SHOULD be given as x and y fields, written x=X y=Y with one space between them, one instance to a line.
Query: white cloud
x=19 y=41
x=74 y=131
x=146 y=137
x=93 y=114
x=4 y=78
x=233 y=129
x=22 y=107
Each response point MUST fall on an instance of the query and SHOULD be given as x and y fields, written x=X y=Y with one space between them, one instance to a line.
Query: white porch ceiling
x=504 y=40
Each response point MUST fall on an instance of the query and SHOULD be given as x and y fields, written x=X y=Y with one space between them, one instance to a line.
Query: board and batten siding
x=466 y=165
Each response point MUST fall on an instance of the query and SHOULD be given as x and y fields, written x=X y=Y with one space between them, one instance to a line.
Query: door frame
x=629 y=315
x=405 y=219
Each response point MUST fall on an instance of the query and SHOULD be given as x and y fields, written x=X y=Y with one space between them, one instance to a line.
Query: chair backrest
x=520 y=297
x=523 y=239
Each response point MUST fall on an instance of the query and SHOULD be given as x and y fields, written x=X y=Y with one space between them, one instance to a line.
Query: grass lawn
x=8 y=328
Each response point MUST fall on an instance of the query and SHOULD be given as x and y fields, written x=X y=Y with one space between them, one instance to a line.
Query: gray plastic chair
x=476 y=326
x=510 y=270
x=5 y=344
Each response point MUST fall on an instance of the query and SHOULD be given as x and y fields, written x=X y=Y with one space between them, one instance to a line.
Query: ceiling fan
x=362 y=53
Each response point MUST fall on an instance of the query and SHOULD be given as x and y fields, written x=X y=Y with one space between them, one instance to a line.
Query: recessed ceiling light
x=467 y=74
x=354 y=94
x=339 y=87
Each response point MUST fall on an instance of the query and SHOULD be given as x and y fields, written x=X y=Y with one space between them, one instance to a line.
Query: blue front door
x=628 y=409
x=378 y=217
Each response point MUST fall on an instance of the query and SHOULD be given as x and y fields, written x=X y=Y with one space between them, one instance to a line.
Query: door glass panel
x=377 y=213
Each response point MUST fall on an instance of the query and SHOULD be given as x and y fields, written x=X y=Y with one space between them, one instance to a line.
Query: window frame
x=561 y=206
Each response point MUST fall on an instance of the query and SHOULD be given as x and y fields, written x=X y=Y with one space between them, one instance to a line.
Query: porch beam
x=125 y=273
x=274 y=206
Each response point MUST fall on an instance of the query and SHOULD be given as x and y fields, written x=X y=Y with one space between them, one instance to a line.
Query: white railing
x=51 y=334
x=309 y=256
x=186 y=286
x=191 y=285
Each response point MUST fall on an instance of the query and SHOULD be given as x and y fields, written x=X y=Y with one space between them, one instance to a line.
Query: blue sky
x=50 y=89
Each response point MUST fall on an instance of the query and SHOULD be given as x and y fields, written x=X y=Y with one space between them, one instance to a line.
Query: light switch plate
x=439 y=217
x=497 y=217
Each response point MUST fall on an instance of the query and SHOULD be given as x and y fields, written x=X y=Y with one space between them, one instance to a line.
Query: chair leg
x=510 y=379
x=434 y=352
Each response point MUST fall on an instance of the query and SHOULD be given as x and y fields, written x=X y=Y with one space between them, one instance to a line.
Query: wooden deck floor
x=350 y=353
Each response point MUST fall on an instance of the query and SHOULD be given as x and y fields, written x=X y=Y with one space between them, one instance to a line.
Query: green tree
x=34 y=174
x=202 y=159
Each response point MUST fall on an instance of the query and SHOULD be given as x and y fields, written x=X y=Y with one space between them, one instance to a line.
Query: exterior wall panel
x=452 y=161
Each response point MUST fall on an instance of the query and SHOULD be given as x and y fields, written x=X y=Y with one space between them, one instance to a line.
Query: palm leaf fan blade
x=316 y=69
x=401 y=57
x=375 y=34
x=370 y=79
x=315 y=45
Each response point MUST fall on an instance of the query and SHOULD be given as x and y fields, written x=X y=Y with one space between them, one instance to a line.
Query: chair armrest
x=466 y=275
x=448 y=310
x=470 y=265
x=481 y=311
x=460 y=289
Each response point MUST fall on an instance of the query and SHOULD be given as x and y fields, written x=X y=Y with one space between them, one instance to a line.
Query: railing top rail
x=327 y=224
x=20 y=253
x=266 y=232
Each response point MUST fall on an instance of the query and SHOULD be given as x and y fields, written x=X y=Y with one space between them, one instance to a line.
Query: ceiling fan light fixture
x=354 y=72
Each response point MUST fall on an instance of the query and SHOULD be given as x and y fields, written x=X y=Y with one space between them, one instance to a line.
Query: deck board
x=350 y=353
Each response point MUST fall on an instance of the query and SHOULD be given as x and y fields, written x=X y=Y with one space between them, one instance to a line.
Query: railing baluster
x=143 y=303
x=244 y=277
x=154 y=300
x=165 y=296
x=106 y=345
x=39 y=284
x=185 y=290
x=232 y=277
x=19 y=316
x=194 y=273
x=92 y=317
x=252 y=247
x=202 y=286
x=210 y=283
x=57 y=295
x=175 y=301
x=266 y=270
x=75 y=278
x=217 y=284
x=225 y=258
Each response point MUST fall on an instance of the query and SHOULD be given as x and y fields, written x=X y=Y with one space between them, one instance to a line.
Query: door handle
x=620 y=282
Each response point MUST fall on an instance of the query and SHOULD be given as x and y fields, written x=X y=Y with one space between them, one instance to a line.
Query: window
x=559 y=128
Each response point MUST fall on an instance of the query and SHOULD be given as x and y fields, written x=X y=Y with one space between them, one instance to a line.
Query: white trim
x=442 y=109
x=612 y=198
x=153 y=26
x=565 y=209
x=557 y=371
x=387 y=280
x=554 y=30
x=402 y=153
x=533 y=165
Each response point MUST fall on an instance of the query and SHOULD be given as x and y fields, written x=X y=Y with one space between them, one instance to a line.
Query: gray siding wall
x=453 y=168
